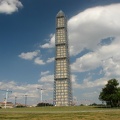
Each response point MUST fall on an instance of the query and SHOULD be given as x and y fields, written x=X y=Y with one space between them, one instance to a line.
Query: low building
x=8 y=105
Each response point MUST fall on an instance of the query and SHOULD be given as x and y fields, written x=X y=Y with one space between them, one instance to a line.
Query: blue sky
x=27 y=29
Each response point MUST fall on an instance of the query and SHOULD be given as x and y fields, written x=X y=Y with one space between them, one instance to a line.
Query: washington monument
x=62 y=81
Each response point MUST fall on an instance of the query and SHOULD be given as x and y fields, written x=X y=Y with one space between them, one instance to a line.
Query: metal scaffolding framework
x=62 y=81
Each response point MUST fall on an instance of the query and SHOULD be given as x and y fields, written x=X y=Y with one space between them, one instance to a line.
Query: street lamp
x=41 y=92
x=26 y=100
x=7 y=91
x=15 y=100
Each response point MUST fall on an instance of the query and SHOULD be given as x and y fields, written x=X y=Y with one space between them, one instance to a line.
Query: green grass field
x=60 y=113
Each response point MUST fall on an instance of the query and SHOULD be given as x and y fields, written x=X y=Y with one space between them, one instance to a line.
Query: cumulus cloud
x=10 y=6
x=106 y=56
x=50 y=60
x=39 y=61
x=89 y=27
x=88 y=82
x=12 y=85
x=35 y=57
x=18 y=89
x=51 y=43
x=87 y=62
x=111 y=67
x=45 y=73
x=29 y=55
x=47 y=79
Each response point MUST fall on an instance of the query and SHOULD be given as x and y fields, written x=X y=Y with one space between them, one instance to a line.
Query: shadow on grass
x=106 y=107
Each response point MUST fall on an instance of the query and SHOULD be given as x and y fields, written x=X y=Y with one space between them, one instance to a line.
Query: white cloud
x=106 y=56
x=87 y=62
x=87 y=28
x=88 y=82
x=50 y=60
x=47 y=79
x=74 y=82
x=34 y=56
x=39 y=61
x=45 y=73
x=12 y=85
x=10 y=6
x=111 y=67
x=51 y=43
x=29 y=55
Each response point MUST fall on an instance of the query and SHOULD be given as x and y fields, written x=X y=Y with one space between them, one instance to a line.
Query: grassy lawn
x=60 y=113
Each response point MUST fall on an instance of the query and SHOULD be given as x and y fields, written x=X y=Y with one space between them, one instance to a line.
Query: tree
x=111 y=93
x=44 y=104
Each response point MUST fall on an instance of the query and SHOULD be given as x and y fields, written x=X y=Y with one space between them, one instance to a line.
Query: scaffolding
x=62 y=81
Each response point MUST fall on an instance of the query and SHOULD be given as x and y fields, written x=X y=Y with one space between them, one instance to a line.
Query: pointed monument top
x=60 y=13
